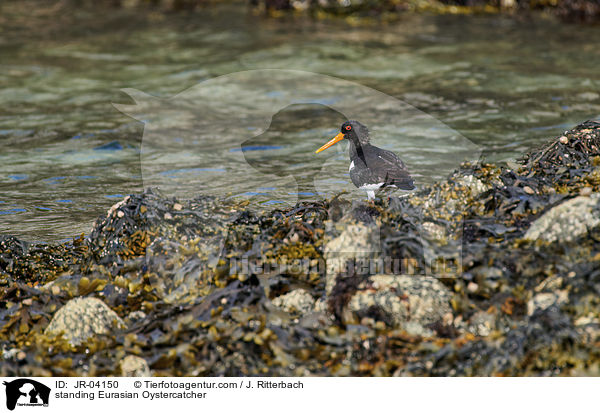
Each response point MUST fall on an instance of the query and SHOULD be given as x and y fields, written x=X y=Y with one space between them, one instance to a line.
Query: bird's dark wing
x=389 y=169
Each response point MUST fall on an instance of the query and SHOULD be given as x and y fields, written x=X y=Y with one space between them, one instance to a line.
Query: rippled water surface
x=490 y=84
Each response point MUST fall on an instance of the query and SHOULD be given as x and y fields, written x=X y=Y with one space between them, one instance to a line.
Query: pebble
x=134 y=366
x=117 y=205
x=543 y=301
x=135 y=316
x=481 y=324
x=472 y=287
x=528 y=190
x=448 y=319
x=586 y=191
x=177 y=207
x=564 y=140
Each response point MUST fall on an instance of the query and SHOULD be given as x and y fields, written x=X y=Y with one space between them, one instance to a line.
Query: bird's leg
x=371 y=198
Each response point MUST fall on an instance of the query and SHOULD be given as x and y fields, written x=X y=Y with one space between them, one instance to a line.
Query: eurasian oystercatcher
x=371 y=168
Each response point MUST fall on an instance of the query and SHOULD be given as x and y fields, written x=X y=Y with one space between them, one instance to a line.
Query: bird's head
x=352 y=130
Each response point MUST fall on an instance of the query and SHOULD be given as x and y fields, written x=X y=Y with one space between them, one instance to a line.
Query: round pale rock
x=295 y=301
x=134 y=366
x=83 y=318
x=567 y=221
x=402 y=300
x=434 y=231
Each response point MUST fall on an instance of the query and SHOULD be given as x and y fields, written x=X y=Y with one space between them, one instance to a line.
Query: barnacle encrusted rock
x=475 y=185
x=295 y=301
x=82 y=318
x=134 y=366
x=543 y=301
x=434 y=231
x=567 y=221
x=482 y=324
x=356 y=242
x=402 y=301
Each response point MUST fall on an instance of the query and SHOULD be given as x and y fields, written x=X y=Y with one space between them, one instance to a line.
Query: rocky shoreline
x=572 y=11
x=581 y=11
x=495 y=271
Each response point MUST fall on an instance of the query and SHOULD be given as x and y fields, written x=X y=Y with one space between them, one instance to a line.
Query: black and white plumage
x=371 y=168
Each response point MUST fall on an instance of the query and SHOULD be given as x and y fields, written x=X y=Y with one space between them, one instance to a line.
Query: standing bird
x=371 y=168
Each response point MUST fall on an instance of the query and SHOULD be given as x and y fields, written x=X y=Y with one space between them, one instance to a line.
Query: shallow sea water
x=434 y=89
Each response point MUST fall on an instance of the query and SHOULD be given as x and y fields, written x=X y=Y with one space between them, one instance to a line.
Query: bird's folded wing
x=391 y=170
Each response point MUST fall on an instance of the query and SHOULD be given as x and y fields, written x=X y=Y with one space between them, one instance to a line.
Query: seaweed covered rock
x=182 y=271
x=566 y=159
x=579 y=10
x=29 y=262
x=440 y=282
x=547 y=344
x=133 y=223
x=83 y=318
x=586 y=11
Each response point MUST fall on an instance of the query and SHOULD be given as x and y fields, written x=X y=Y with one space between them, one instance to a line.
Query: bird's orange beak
x=335 y=140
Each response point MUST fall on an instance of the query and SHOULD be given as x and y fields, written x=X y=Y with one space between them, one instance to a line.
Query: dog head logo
x=26 y=392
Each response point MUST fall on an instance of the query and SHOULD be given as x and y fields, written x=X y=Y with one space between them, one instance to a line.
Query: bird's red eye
x=348 y=127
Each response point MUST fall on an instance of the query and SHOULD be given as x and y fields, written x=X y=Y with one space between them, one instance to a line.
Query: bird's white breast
x=370 y=187
x=351 y=166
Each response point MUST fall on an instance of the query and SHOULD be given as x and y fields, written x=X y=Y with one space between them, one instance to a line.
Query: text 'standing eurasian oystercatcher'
x=371 y=168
